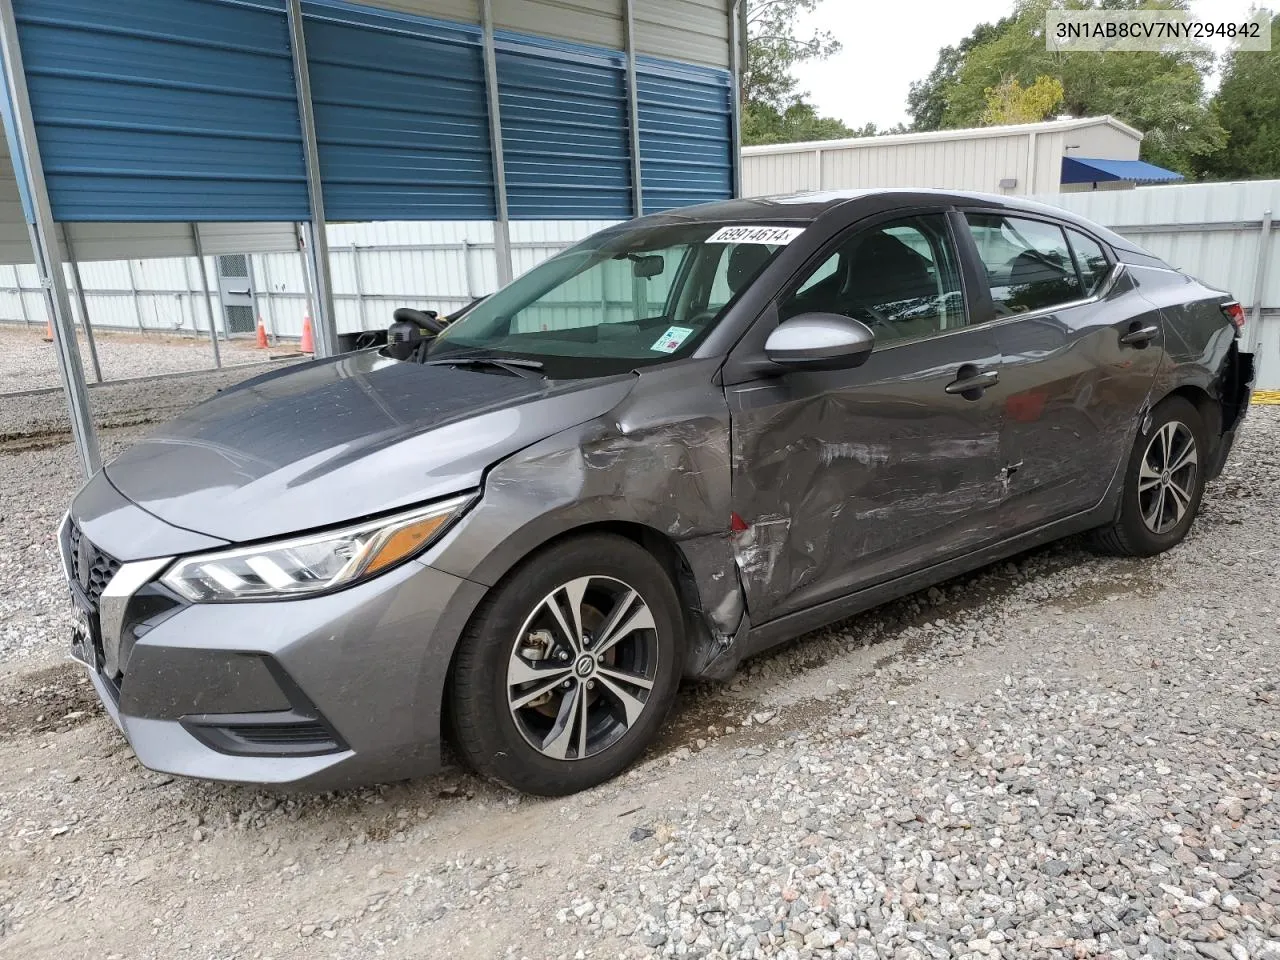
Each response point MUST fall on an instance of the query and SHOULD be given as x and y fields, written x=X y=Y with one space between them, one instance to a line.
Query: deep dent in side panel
x=660 y=460
x=802 y=542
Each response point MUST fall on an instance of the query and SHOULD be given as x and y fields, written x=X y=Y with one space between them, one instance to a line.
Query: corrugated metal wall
x=179 y=110
x=164 y=109
x=694 y=31
x=686 y=137
x=376 y=267
x=949 y=160
x=1212 y=231
x=401 y=115
x=565 y=138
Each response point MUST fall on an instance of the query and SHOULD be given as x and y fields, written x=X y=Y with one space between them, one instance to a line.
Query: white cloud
x=889 y=44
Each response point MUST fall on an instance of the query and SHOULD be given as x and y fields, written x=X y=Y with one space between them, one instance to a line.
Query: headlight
x=313 y=564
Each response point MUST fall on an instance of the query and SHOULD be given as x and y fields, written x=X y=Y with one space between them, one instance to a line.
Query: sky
x=889 y=44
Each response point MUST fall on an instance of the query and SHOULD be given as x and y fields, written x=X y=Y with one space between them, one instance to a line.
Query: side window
x=1028 y=263
x=738 y=266
x=828 y=269
x=900 y=278
x=1091 y=260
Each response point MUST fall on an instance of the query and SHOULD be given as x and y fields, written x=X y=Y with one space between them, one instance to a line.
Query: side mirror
x=820 y=341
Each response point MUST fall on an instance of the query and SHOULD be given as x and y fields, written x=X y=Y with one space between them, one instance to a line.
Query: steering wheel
x=428 y=320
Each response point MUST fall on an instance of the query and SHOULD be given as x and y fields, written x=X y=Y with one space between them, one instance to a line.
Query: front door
x=853 y=477
x=1081 y=348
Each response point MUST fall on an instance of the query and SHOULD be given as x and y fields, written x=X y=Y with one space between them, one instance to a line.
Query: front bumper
x=317 y=693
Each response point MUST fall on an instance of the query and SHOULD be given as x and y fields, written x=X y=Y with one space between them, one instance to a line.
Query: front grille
x=91 y=568
x=309 y=733
x=281 y=733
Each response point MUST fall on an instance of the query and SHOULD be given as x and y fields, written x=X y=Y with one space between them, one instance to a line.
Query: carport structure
x=216 y=125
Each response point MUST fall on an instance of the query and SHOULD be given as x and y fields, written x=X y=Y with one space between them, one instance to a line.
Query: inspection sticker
x=670 y=341
x=778 y=236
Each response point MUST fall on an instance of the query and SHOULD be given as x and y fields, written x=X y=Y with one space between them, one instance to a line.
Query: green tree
x=773 y=109
x=775 y=44
x=765 y=123
x=927 y=101
x=1161 y=94
x=1011 y=102
x=1247 y=105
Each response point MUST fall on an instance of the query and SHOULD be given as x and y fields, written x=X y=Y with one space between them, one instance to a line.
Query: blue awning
x=1089 y=170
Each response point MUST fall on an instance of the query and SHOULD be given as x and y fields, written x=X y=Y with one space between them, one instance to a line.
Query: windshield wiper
x=530 y=369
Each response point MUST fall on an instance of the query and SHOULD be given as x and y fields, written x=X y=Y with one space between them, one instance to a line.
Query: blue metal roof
x=1091 y=170
x=187 y=110
x=686 y=133
x=164 y=109
x=565 y=139
x=401 y=118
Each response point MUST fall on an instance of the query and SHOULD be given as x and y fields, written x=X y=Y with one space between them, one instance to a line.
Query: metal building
x=128 y=123
x=1058 y=155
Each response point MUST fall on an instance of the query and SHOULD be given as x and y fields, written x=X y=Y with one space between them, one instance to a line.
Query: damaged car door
x=847 y=478
x=1081 y=348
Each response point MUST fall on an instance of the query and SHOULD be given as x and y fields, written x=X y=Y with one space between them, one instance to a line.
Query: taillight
x=1235 y=313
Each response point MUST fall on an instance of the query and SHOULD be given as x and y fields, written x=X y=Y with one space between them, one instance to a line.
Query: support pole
x=502 y=228
x=208 y=295
x=736 y=29
x=359 y=281
x=17 y=278
x=267 y=291
x=1031 y=163
x=257 y=303
x=304 y=242
x=325 y=325
x=466 y=270
x=1260 y=283
x=137 y=300
x=633 y=113
x=28 y=167
x=84 y=306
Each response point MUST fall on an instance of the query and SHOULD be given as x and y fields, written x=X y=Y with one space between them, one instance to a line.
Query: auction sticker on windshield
x=670 y=341
x=779 y=236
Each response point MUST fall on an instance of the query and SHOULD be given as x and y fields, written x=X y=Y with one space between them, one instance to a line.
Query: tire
x=518 y=648
x=1133 y=534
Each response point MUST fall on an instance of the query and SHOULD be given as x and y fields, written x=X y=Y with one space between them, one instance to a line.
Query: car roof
x=807 y=207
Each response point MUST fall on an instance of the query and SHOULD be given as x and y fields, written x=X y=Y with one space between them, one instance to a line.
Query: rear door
x=1081 y=348
x=847 y=478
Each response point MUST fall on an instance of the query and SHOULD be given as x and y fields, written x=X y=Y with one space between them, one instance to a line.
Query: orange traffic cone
x=262 y=334
x=308 y=346
x=48 y=331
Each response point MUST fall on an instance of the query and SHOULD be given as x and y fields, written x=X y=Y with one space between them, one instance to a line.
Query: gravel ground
x=1060 y=756
x=27 y=362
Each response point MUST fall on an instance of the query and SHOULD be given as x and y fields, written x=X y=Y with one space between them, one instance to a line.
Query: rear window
x=1028 y=263
x=1091 y=259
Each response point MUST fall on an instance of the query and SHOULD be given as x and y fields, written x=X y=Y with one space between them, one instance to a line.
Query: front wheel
x=569 y=668
x=1163 y=483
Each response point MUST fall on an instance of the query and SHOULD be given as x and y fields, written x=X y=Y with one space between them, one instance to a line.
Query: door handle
x=972 y=382
x=1140 y=336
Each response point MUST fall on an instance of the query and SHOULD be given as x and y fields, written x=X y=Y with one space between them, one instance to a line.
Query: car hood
x=342 y=439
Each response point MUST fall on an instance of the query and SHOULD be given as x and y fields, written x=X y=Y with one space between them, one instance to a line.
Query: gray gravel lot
x=28 y=363
x=1060 y=756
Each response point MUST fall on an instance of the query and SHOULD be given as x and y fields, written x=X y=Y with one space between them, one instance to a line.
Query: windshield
x=625 y=298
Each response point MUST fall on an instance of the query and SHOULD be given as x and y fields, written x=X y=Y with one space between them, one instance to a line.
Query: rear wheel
x=1163 y=483
x=569 y=669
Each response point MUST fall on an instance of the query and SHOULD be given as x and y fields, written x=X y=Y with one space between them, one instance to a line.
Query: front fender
x=658 y=461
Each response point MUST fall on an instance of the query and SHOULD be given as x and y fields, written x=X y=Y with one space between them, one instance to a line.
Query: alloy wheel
x=1167 y=477
x=582 y=667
